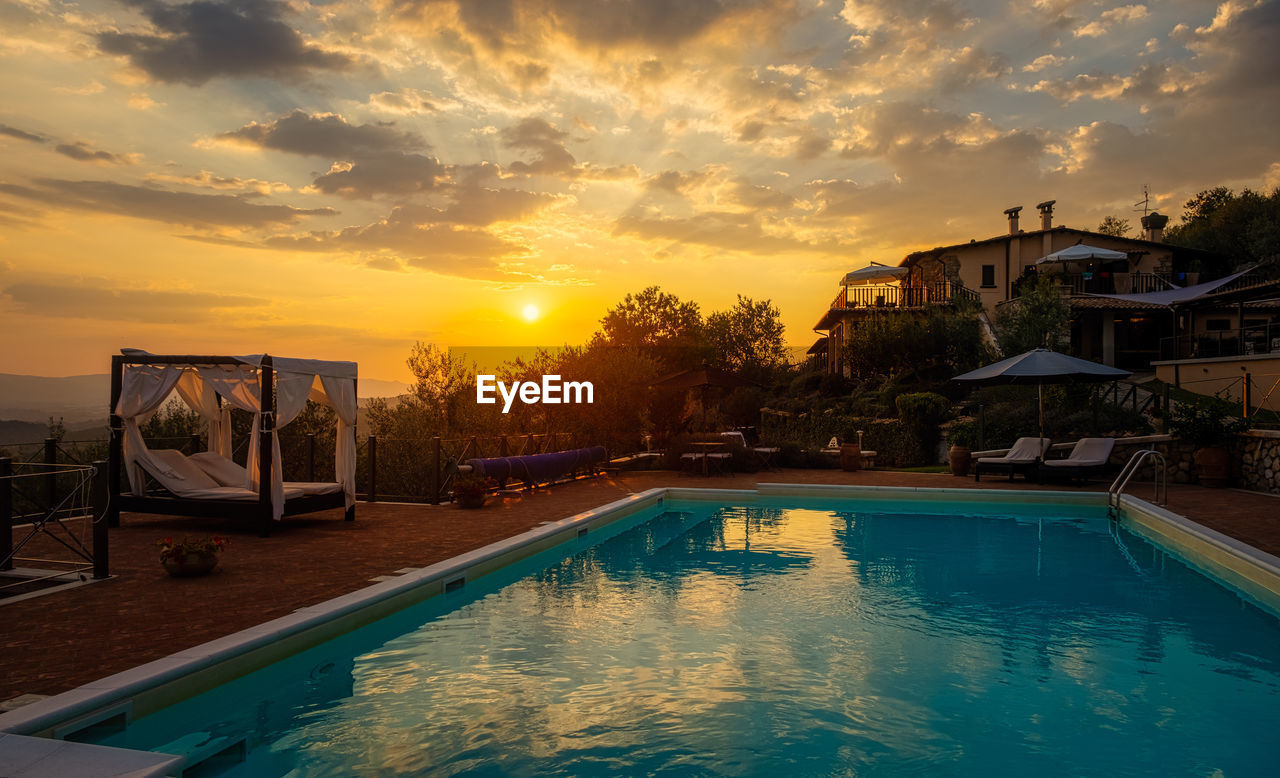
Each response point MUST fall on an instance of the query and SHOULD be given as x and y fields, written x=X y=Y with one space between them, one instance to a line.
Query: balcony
x=1106 y=282
x=1260 y=339
x=887 y=296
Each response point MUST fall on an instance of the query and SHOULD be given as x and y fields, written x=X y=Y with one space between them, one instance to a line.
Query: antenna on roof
x=1145 y=202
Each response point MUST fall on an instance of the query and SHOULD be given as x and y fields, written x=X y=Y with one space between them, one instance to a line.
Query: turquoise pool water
x=767 y=640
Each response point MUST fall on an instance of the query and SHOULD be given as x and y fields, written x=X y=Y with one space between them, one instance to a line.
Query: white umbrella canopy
x=1082 y=252
x=874 y=273
x=1041 y=366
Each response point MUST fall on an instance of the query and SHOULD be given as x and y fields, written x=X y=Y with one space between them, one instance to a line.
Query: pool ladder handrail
x=1160 y=482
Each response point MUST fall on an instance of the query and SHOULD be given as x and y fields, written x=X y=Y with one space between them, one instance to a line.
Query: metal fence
x=389 y=469
x=1245 y=341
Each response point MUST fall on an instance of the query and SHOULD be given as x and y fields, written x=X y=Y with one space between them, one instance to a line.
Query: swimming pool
x=760 y=634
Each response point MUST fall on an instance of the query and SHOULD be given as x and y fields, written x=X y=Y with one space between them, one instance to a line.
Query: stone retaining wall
x=1257 y=455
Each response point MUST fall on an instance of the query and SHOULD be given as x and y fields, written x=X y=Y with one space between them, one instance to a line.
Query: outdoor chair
x=1088 y=457
x=1023 y=458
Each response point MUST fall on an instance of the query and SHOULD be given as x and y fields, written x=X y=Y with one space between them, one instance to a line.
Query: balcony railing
x=1260 y=339
x=1112 y=283
x=873 y=297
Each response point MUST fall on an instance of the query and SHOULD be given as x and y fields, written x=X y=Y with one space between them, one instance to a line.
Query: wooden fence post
x=311 y=456
x=51 y=480
x=1246 y=395
x=436 y=480
x=373 y=468
x=98 y=504
x=6 y=513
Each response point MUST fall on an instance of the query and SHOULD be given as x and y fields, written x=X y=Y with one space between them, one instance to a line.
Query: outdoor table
x=707 y=448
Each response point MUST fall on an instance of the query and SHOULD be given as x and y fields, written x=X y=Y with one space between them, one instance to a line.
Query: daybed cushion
x=312 y=487
x=184 y=479
x=177 y=473
x=228 y=473
x=221 y=469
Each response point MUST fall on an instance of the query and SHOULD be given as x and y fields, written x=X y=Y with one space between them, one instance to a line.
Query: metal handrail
x=1160 y=483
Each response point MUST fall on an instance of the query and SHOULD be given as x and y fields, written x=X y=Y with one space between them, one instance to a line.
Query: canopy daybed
x=274 y=390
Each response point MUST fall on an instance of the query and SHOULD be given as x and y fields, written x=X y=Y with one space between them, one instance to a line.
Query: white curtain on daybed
x=145 y=387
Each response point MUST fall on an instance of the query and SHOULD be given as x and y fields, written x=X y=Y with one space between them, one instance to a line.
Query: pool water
x=766 y=640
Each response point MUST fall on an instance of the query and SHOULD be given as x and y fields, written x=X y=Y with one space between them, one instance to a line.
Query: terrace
x=59 y=641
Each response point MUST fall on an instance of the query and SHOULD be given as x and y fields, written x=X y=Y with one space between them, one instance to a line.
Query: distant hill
x=27 y=402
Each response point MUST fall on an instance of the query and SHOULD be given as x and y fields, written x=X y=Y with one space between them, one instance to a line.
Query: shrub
x=806 y=383
x=1205 y=421
x=833 y=385
x=962 y=432
x=922 y=413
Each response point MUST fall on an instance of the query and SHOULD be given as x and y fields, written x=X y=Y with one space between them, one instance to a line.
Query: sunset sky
x=340 y=179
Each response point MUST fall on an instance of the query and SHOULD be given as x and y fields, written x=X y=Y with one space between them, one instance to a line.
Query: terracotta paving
x=61 y=640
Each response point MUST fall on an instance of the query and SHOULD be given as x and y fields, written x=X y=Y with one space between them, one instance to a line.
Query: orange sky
x=341 y=179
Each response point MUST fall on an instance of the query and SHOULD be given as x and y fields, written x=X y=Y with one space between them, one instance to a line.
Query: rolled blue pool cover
x=538 y=468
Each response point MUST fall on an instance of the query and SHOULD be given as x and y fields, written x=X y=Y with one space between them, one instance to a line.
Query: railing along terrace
x=918 y=296
x=423 y=469
x=1106 y=282
x=1245 y=341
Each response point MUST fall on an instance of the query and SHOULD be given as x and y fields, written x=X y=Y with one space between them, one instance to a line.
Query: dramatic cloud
x=193 y=42
x=83 y=152
x=552 y=157
x=413 y=235
x=384 y=172
x=98 y=298
x=323 y=135
x=1109 y=19
x=199 y=210
x=14 y=132
x=661 y=24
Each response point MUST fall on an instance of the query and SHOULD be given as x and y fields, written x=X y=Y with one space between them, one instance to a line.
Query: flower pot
x=960 y=457
x=1213 y=463
x=190 y=564
x=469 y=500
x=850 y=457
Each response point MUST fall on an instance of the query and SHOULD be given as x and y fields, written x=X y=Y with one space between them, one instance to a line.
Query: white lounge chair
x=1023 y=457
x=1087 y=457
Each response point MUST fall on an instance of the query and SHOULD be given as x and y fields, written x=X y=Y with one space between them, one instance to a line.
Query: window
x=988 y=276
x=1213 y=325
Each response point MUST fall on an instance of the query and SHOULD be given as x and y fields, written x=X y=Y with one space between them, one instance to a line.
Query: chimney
x=1046 y=214
x=1154 y=224
x=1012 y=213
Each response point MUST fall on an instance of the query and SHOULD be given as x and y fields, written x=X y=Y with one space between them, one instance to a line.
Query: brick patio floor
x=64 y=639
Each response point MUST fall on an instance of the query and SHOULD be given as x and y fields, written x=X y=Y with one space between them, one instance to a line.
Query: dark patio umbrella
x=1041 y=366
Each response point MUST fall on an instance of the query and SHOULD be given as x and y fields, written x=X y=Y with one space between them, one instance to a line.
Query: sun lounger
x=1022 y=458
x=1088 y=457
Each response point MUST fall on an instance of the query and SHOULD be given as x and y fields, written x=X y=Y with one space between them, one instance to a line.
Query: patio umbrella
x=1041 y=366
x=1081 y=252
x=875 y=273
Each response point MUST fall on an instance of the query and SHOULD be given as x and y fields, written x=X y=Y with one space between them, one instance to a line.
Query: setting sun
x=530 y=312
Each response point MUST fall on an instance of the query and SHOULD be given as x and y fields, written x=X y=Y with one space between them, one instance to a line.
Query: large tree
x=661 y=325
x=748 y=337
x=1243 y=227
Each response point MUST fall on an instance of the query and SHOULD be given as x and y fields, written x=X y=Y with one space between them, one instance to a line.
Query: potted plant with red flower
x=469 y=490
x=190 y=556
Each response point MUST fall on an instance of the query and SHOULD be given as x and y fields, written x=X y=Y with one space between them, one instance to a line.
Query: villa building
x=1127 y=311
